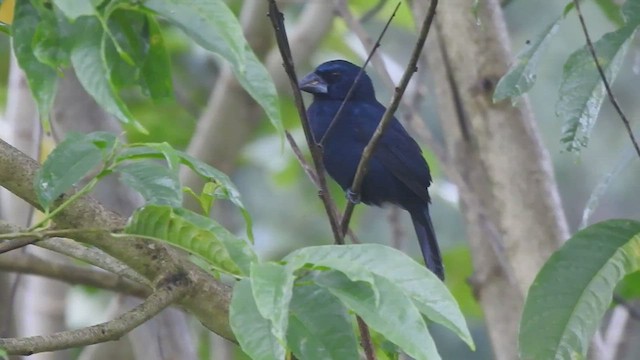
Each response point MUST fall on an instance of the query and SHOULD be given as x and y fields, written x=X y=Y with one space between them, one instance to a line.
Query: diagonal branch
x=210 y=303
x=607 y=86
x=369 y=58
x=90 y=255
x=316 y=152
x=172 y=289
x=27 y=263
x=388 y=115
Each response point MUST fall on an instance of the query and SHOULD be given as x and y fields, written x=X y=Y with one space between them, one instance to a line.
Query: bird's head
x=333 y=79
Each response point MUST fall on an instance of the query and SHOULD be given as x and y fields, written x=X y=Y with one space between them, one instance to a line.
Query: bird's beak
x=314 y=84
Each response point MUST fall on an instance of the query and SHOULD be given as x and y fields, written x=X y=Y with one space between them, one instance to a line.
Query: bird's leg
x=353 y=197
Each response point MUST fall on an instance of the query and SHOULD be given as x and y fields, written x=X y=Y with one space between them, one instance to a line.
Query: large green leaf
x=631 y=12
x=364 y=262
x=212 y=25
x=319 y=326
x=225 y=189
x=522 y=74
x=156 y=70
x=252 y=331
x=574 y=288
x=69 y=163
x=621 y=163
x=73 y=9
x=195 y=233
x=48 y=41
x=154 y=181
x=582 y=90
x=41 y=77
x=393 y=315
x=91 y=67
x=611 y=10
x=272 y=286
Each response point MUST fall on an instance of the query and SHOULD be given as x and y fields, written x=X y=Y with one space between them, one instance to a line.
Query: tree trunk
x=508 y=192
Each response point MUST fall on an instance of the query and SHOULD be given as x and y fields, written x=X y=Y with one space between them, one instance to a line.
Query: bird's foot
x=353 y=197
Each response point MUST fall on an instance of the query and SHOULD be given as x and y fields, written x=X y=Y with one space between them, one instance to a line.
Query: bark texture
x=508 y=192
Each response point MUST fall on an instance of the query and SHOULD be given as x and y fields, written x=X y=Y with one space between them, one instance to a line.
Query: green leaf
x=205 y=198
x=227 y=189
x=631 y=12
x=41 y=77
x=611 y=10
x=209 y=23
x=252 y=331
x=156 y=70
x=195 y=233
x=522 y=74
x=91 y=68
x=212 y=25
x=364 y=262
x=3 y=354
x=319 y=326
x=394 y=315
x=48 y=44
x=272 y=286
x=125 y=47
x=73 y=9
x=67 y=164
x=621 y=163
x=629 y=287
x=582 y=90
x=574 y=288
x=155 y=182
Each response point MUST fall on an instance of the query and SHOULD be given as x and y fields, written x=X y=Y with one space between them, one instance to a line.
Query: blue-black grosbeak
x=397 y=172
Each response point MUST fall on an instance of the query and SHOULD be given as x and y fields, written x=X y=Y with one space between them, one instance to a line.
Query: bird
x=397 y=172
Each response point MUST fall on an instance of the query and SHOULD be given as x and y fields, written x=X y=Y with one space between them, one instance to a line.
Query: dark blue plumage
x=397 y=172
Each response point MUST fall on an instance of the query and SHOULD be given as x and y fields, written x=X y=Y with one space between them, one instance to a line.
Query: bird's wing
x=397 y=151
x=401 y=155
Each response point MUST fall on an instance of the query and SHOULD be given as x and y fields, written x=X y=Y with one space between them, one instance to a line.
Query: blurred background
x=286 y=211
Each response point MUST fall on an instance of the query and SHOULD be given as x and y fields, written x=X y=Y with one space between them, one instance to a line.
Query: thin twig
x=27 y=263
x=356 y=27
x=171 y=290
x=388 y=115
x=316 y=152
x=612 y=98
x=375 y=9
x=355 y=81
x=365 y=340
x=28 y=237
x=277 y=21
x=311 y=174
x=81 y=252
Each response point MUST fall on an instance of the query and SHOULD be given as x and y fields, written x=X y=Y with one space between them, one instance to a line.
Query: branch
x=210 y=303
x=388 y=115
x=356 y=27
x=311 y=174
x=83 y=253
x=20 y=239
x=27 y=263
x=167 y=293
x=612 y=98
x=277 y=21
x=372 y=52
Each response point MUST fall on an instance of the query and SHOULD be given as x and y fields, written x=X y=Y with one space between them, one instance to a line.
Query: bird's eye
x=335 y=75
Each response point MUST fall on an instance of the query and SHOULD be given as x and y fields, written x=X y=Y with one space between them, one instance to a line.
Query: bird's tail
x=427 y=239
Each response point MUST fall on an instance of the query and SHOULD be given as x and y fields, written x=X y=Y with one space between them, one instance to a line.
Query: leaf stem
x=607 y=86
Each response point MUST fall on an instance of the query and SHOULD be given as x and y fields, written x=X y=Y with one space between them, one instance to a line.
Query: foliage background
x=285 y=209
